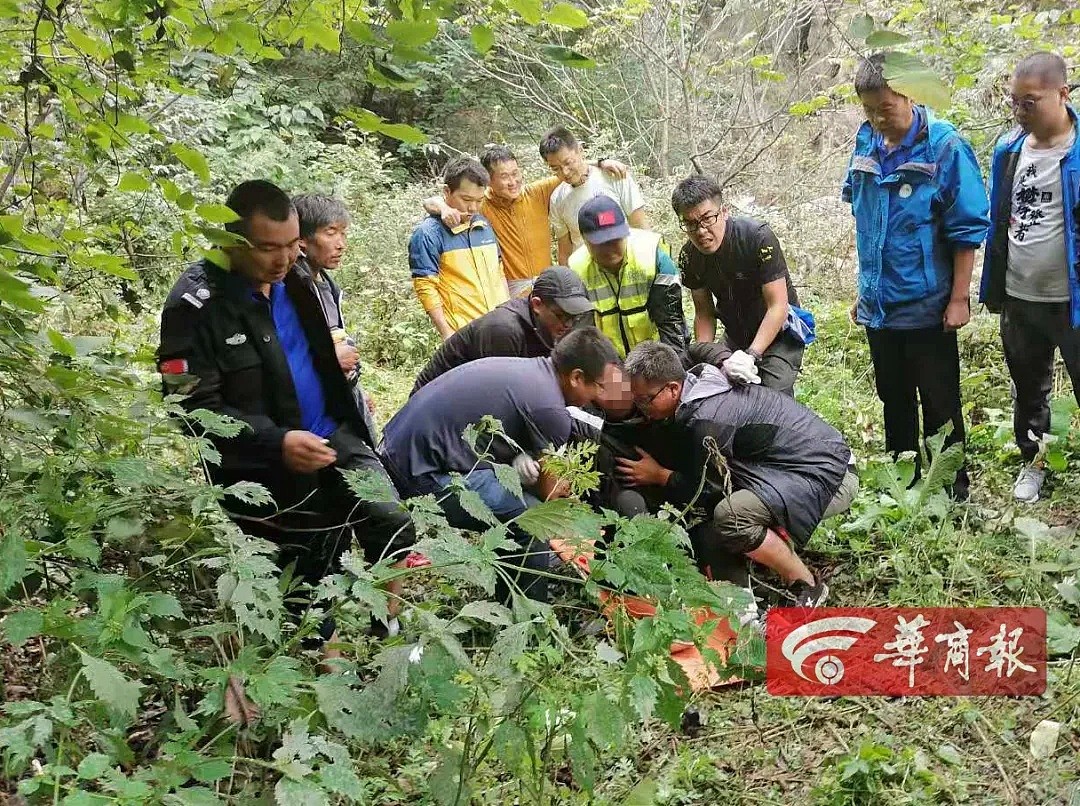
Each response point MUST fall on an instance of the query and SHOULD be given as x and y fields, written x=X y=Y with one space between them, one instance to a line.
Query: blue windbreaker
x=1002 y=173
x=909 y=223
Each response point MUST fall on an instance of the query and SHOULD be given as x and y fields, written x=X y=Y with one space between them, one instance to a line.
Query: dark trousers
x=913 y=367
x=1030 y=332
x=779 y=366
x=316 y=516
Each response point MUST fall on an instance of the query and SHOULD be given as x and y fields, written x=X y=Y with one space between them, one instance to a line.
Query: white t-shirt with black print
x=1037 y=261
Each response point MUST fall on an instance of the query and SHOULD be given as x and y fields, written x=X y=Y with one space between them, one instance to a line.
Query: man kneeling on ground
x=423 y=443
x=771 y=466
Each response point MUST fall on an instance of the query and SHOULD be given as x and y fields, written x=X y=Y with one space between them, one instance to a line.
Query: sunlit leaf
x=483 y=38
x=191 y=158
x=217 y=213
x=403 y=132
x=133 y=183
x=60 y=343
x=317 y=34
x=529 y=10
x=412 y=33
x=566 y=16
x=908 y=76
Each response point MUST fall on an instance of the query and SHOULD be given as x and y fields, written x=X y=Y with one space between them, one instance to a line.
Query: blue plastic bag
x=800 y=323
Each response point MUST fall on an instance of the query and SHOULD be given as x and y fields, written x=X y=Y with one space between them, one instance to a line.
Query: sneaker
x=807 y=595
x=1029 y=484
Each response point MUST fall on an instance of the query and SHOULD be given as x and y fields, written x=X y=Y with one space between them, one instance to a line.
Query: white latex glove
x=528 y=469
x=742 y=368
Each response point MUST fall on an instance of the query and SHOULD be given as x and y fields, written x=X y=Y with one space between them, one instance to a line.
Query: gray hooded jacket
x=775 y=447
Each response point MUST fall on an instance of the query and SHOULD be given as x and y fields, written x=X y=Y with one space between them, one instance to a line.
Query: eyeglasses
x=1024 y=104
x=645 y=402
x=690 y=225
x=560 y=315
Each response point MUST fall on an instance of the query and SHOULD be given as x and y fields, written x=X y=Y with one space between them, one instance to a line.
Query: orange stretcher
x=701 y=674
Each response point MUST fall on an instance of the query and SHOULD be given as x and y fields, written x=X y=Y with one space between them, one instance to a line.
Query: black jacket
x=666 y=312
x=773 y=446
x=220 y=348
x=508 y=330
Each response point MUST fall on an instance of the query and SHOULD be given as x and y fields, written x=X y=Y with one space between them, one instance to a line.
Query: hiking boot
x=1029 y=484
x=807 y=595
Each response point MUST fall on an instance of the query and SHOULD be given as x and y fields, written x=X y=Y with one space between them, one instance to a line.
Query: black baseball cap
x=562 y=286
x=601 y=219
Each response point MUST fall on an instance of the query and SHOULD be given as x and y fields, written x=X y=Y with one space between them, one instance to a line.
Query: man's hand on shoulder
x=304 y=452
x=619 y=170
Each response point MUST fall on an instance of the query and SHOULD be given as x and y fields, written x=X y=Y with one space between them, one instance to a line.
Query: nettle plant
x=141 y=609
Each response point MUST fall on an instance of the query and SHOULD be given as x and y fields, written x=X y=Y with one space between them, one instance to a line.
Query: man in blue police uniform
x=252 y=343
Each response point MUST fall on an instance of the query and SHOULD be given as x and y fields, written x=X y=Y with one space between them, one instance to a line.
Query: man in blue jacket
x=920 y=210
x=1030 y=273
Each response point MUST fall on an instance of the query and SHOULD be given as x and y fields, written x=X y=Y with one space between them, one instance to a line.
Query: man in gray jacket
x=772 y=468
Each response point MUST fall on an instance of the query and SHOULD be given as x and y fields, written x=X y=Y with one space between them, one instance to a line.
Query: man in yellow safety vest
x=630 y=277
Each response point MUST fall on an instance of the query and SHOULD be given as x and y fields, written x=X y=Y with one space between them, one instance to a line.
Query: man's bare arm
x=439 y=320
x=704 y=315
x=565 y=249
x=776 y=304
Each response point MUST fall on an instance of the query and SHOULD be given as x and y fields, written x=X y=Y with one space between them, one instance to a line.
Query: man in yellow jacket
x=630 y=277
x=456 y=271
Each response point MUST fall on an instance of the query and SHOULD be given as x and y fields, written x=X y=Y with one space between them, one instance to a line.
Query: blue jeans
x=505 y=506
x=482 y=481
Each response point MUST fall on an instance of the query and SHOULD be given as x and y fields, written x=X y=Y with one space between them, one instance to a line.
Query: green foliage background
x=128 y=601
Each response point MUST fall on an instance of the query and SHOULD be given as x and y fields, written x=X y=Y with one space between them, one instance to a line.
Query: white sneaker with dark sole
x=1029 y=485
x=807 y=595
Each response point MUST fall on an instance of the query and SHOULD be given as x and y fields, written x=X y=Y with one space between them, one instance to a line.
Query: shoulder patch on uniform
x=173 y=366
x=191 y=299
x=202 y=293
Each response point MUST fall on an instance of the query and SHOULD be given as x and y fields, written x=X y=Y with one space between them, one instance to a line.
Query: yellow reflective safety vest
x=622 y=300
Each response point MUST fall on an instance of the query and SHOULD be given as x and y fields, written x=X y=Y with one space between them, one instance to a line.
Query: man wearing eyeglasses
x=772 y=468
x=737 y=275
x=1031 y=273
x=521 y=328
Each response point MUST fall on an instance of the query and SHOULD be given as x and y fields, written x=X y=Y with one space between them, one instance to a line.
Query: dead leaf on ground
x=238 y=708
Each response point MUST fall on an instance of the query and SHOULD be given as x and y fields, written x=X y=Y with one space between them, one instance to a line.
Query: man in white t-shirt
x=582 y=182
x=1033 y=252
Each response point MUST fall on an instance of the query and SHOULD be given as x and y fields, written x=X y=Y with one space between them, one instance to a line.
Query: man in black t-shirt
x=736 y=273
